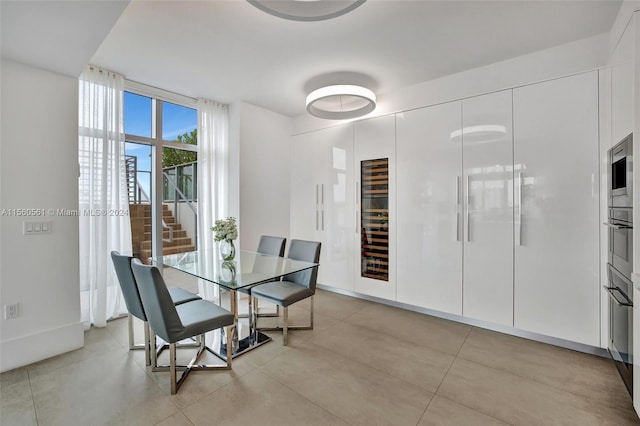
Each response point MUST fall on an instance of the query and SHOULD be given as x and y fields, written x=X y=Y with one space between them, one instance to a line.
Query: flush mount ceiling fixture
x=306 y=10
x=341 y=102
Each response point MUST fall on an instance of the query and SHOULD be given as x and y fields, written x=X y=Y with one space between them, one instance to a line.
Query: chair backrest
x=273 y=246
x=308 y=251
x=122 y=265
x=158 y=305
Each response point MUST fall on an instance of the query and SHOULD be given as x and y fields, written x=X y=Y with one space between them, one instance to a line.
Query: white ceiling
x=230 y=50
x=60 y=36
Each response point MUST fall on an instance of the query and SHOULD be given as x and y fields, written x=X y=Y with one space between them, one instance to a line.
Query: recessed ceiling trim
x=306 y=10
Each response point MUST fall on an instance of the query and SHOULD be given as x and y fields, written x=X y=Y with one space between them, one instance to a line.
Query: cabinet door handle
x=322 y=206
x=457 y=207
x=617 y=301
x=468 y=220
x=357 y=210
x=615 y=226
x=317 y=226
x=519 y=209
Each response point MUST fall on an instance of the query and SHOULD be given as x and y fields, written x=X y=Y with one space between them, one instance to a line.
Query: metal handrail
x=177 y=192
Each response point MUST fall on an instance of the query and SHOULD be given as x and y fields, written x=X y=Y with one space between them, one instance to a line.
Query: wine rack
x=374 y=219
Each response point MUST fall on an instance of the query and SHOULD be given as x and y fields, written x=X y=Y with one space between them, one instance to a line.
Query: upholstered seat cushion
x=180 y=295
x=283 y=293
x=200 y=316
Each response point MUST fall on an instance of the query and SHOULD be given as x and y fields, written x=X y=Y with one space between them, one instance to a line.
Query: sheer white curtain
x=213 y=174
x=102 y=192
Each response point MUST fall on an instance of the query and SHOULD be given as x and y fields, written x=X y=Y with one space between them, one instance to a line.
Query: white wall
x=558 y=61
x=263 y=138
x=38 y=169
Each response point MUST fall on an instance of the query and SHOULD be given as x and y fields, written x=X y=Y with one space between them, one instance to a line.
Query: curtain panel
x=103 y=196
x=213 y=175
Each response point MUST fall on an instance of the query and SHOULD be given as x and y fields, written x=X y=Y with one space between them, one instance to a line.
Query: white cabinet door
x=622 y=75
x=305 y=178
x=556 y=230
x=487 y=146
x=322 y=199
x=375 y=139
x=429 y=214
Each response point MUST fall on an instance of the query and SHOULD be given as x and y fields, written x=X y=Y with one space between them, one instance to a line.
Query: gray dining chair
x=131 y=295
x=178 y=322
x=272 y=246
x=293 y=287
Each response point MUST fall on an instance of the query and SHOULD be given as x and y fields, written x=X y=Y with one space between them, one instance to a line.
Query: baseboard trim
x=567 y=344
x=25 y=350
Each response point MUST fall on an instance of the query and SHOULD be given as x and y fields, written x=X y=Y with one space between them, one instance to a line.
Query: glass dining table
x=245 y=271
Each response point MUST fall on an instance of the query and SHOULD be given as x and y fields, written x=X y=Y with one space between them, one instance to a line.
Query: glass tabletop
x=247 y=269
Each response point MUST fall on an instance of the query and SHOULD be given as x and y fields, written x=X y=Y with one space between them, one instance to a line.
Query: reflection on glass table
x=246 y=270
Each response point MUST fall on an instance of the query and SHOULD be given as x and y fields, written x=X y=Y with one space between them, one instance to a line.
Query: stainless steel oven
x=621 y=239
x=620 y=265
x=621 y=173
x=620 y=291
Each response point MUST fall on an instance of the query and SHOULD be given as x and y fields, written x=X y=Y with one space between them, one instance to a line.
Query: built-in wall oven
x=621 y=239
x=620 y=264
x=620 y=291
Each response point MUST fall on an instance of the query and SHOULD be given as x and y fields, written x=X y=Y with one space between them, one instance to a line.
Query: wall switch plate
x=34 y=228
x=11 y=311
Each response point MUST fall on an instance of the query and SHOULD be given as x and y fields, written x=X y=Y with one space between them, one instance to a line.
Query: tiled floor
x=364 y=364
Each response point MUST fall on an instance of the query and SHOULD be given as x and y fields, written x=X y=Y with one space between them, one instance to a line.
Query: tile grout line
x=33 y=401
x=302 y=396
x=445 y=375
x=535 y=380
x=357 y=361
x=454 y=360
x=476 y=410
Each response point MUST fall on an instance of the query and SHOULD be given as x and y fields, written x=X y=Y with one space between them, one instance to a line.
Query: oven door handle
x=610 y=290
x=615 y=226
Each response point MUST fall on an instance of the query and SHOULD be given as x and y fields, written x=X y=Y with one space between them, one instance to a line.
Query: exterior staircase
x=181 y=241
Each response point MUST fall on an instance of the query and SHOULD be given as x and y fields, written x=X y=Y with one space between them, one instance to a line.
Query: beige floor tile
x=16 y=403
x=443 y=335
x=107 y=390
x=97 y=342
x=299 y=316
x=576 y=372
x=420 y=365
x=348 y=389
x=257 y=400
x=444 y=412
x=12 y=377
x=521 y=401
x=177 y=419
x=338 y=306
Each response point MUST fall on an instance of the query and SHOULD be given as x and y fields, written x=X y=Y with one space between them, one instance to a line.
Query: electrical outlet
x=11 y=311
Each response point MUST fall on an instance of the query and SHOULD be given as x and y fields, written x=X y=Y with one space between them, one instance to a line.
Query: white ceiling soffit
x=60 y=36
x=230 y=50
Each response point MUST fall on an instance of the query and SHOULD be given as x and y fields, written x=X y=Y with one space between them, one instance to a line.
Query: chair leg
x=147 y=344
x=130 y=324
x=311 y=314
x=285 y=320
x=153 y=349
x=172 y=368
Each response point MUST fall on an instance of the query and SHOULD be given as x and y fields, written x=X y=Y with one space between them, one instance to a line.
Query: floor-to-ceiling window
x=161 y=152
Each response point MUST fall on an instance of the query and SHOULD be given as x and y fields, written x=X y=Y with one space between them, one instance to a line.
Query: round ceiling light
x=306 y=10
x=341 y=102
